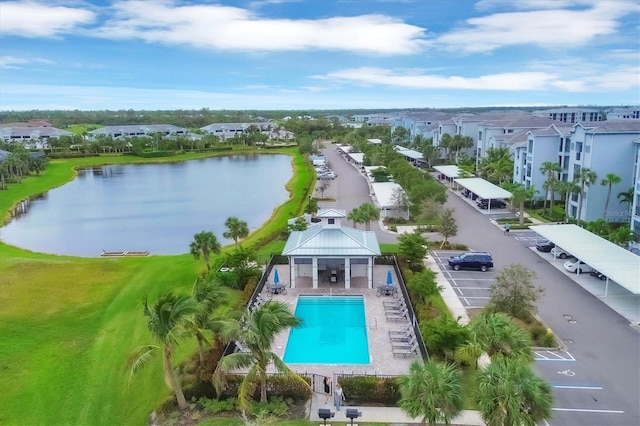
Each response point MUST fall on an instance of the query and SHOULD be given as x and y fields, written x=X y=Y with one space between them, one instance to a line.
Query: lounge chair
x=404 y=337
x=405 y=353
x=408 y=344
x=403 y=331
x=395 y=307
x=401 y=315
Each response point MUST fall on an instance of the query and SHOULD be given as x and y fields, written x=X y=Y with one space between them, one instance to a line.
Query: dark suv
x=471 y=260
x=495 y=203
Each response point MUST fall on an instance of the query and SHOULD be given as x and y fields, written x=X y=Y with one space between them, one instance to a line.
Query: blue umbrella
x=389 y=277
x=276 y=277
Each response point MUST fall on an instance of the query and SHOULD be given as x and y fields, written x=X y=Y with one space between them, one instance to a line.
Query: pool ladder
x=373 y=324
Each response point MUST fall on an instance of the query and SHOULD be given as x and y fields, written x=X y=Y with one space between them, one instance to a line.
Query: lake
x=150 y=207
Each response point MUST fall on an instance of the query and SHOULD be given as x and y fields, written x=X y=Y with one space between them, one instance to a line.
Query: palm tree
x=627 y=198
x=204 y=243
x=520 y=195
x=432 y=391
x=356 y=216
x=509 y=393
x=166 y=319
x=586 y=177
x=551 y=169
x=236 y=229
x=567 y=188
x=208 y=295
x=500 y=336
x=256 y=331
x=369 y=213
x=472 y=349
x=609 y=180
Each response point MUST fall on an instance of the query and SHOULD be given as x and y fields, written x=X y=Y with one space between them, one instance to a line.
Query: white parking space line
x=473 y=288
x=585 y=410
x=577 y=387
x=552 y=356
x=472 y=279
x=459 y=291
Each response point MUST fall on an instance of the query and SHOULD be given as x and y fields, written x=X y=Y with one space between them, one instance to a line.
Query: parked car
x=544 y=246
x=327 y=176
x=470 y=194
x=558 y=252
x=471 y=260
x=599 y=275
x=495 y=204
x=577 y=266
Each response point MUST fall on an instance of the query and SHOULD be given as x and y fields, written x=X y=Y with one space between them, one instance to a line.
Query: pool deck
x=382 y=361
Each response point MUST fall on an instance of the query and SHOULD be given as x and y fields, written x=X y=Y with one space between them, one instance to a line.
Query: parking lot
x=471 y=287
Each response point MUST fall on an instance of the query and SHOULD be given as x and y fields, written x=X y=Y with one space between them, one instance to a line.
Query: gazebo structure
x=329 y=253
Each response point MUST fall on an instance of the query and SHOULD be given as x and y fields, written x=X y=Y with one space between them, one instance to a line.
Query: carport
x=451 y=172
x=616 y=263
x=484 y=189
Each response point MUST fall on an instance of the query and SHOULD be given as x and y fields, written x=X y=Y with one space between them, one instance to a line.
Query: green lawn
x=68 y=325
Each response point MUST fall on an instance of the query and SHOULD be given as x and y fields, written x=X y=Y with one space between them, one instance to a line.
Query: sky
x=317 y=54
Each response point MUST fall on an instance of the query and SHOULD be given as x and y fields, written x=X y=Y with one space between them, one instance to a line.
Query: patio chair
x=405 y=330
x=394 y=302
x=401 y=315
x=404 y=337
x=395 y=307
x=405 y=353
x=404 y=345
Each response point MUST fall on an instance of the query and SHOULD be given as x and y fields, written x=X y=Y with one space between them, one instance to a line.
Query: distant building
x=137 y=130
x=628 y=113
x=571 y=115
x=32 y=137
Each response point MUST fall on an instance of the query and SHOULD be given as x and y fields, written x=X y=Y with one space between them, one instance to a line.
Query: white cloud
x=14 y=62
x=513 y=81
x=559 y=28
x=31 y=19
x=219 y=27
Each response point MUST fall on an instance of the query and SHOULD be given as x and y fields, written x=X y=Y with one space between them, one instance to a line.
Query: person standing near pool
x=327 y=389
x=338 y=397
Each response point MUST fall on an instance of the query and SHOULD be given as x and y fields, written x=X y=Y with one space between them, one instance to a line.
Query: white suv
x=558 y=252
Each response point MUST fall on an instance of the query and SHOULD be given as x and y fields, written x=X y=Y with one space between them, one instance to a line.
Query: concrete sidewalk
x=390 y=415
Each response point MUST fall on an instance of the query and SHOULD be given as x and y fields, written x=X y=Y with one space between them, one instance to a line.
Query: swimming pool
x=333 y=331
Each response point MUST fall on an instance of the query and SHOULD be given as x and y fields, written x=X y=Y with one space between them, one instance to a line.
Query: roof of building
x=32 y=132
x=138 y=128
x=384 y=193
x=450 y=171
x=552 y=130
x=612 y=126
x=358 y=157
x=613 y=261
x=416 y=155
x=374 y=141
x=483 y=188
x=324 y=241
x=331 y=213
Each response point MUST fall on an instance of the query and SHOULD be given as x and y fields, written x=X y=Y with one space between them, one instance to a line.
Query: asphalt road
x=596 y=380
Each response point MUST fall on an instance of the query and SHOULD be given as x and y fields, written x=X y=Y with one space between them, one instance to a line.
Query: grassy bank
x=69 y=324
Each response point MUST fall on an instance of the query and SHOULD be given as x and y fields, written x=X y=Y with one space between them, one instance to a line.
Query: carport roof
x=450 y=171
x=483 y=188
x=613 y=261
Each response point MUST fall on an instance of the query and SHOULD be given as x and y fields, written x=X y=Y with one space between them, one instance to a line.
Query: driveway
x=596 y=379
x=350 y=189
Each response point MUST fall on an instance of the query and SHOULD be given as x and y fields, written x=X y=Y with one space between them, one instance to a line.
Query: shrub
x=274 y=407
x=370 y=389
x=215 y=406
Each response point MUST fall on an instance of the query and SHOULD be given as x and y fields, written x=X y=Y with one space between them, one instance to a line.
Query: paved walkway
x=390 y=415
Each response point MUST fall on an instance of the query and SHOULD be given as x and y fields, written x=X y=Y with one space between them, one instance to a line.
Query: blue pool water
x=333 y=331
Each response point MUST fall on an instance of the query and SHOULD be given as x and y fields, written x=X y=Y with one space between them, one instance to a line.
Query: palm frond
x=140 y=358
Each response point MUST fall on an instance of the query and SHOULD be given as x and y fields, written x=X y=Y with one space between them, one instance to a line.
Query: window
x=331 y=221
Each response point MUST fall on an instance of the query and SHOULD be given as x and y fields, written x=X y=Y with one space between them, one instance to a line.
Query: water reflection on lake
x=151 y=207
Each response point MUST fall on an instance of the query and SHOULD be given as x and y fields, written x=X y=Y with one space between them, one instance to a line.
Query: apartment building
x=541 y=145
x=604 y=147
x=137 y=130
x=628 y=113
x=571 y=115
x=32 y=137
x=635 y=206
